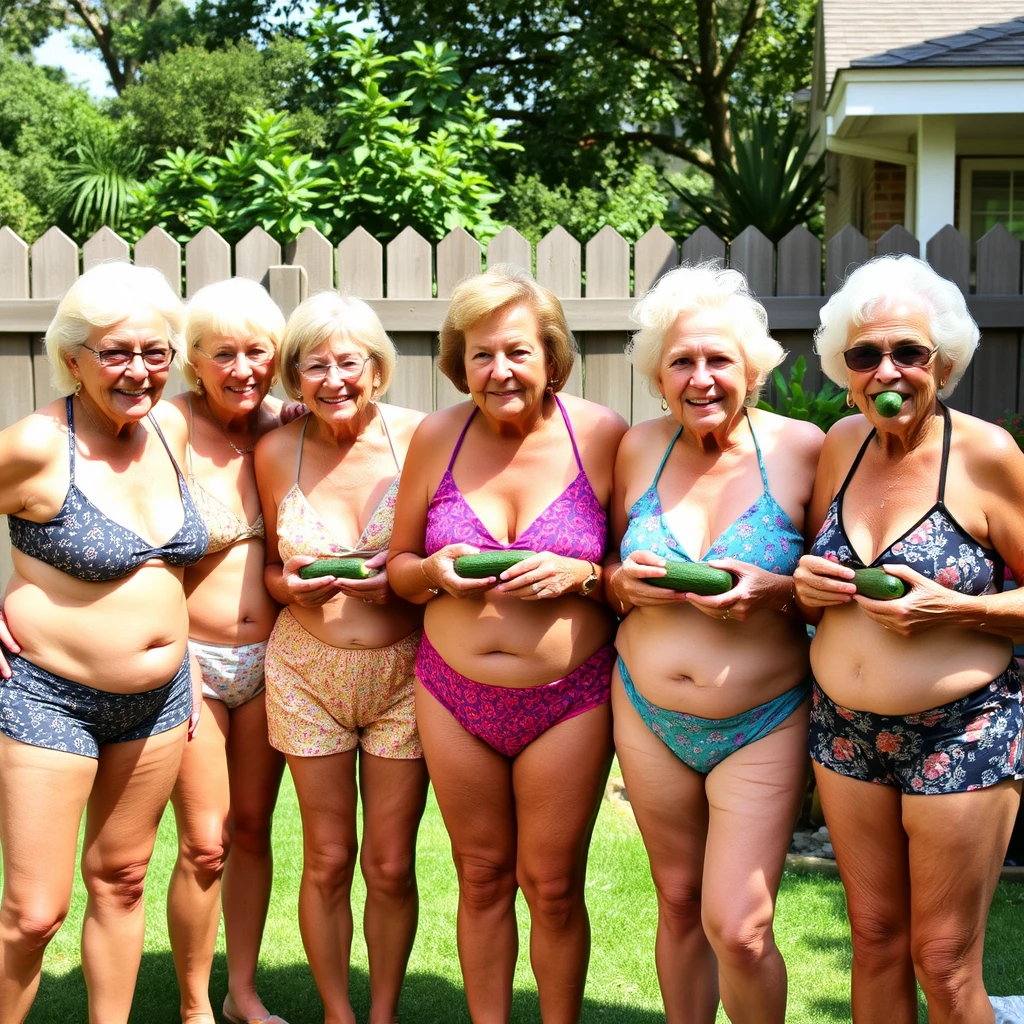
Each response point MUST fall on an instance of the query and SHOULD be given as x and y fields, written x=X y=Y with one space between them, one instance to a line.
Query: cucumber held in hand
x=343 y=568
x=889 y=403
x=694 y=578
x=488 y=563
x=878 y=584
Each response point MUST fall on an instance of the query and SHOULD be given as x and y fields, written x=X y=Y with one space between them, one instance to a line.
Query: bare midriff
x=122 y=636
x=681 y=660
x=505 y=641
x=351 y=623
x=227 y=600
x=865 y=667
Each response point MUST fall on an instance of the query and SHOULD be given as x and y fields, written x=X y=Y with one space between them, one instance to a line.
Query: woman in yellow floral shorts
x=340 y=660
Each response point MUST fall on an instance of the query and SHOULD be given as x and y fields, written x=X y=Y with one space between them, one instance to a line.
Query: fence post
x=607 y=278
x=508 y=246
x=207 y=259
x=949 y=253
x=753 y=255
x=315 y=253
x=703 y=245
x=654 y=255
x=103 y=246
x=159 y=250
x=559 y=270
x=255 y=254
x=997 y=370
x=409 y=277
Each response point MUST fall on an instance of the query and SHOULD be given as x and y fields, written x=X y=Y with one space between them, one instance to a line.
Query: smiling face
x=236 y=370
x=702 y=373
x=507 y=365
x=338 y=379
x=127 y=393
x=893 y=327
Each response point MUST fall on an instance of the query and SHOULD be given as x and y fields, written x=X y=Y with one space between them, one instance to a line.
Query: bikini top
x=763 y=535
x=301 y=531
x=937 y=546
x=573 y=525
x=87 y=544
x=226 y=527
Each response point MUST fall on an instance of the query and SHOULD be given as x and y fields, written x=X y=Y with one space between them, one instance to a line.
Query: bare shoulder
x=987 y=446
x=401 y=422
x=36 y=439
x=600 y=422
x=646 y=437
x=799 y=437
x=172 y=415
x=275 y=444
x=442 y=428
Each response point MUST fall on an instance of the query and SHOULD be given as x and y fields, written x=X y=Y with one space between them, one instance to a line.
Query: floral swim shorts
x=967 y=744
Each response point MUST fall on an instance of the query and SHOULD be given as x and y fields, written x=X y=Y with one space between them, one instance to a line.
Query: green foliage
x=771 y=187
x=824 y=407
x=17 y=213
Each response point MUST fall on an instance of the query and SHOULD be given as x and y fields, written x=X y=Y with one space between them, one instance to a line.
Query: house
x=920 y=107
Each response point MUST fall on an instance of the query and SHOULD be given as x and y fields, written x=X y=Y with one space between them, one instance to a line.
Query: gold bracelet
x=433 y=591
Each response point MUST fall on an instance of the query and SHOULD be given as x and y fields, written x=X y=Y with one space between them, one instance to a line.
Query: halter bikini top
x=763 y=535
x=226 y=527
x=87 y=544
x=301 y=531
x=937 y=546
x=573 y=525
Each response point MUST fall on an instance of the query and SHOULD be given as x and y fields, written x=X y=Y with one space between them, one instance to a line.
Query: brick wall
x=887 y=199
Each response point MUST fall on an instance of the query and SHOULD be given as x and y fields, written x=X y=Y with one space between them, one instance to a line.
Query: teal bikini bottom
x=703 y=743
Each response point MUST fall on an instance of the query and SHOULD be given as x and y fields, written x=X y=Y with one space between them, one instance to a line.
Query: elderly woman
x=227 y=787
x=96 y=698
x=710 y=693
x=916 y=720
x=513 y=672
x=341 y=657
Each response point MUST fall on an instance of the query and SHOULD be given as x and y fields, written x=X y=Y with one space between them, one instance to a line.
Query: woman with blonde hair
x=340 y=660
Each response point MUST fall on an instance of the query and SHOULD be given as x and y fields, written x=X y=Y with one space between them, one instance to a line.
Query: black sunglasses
x=862 y=358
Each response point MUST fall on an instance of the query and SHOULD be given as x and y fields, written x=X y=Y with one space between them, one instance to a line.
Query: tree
x=579 y=75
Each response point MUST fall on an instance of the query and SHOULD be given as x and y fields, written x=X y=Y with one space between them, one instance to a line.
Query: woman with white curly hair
x=916 y=711
x=710 y=692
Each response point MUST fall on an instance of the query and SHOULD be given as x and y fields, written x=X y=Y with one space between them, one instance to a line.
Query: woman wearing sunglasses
x=916 y=711
x=341 y=658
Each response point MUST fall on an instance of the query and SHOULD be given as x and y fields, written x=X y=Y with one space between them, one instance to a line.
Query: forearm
x=999 y=614
x=407 y=578
x=618 y=604
x=273 y=580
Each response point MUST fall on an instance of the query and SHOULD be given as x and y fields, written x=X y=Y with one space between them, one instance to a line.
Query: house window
x=991 y=193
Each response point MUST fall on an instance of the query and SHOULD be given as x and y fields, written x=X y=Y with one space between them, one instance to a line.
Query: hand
x=439 y=570
x=9 y=642
x=925 y=605
x=308 y=593
x=193 y=722
x=629 y=582
x=755 y=588
x=374 y=589
x=291 y=411
x=822 y=583
x=543 y=576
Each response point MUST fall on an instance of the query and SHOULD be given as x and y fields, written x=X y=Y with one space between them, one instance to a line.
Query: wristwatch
x=589 y=585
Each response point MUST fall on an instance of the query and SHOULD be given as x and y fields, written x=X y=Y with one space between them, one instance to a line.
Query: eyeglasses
x=862 y=358
x=119 y=358
x=349 y=369
x=253 y=356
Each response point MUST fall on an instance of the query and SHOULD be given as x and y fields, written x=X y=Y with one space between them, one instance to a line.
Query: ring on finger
x=726 y=615
x=536 y=588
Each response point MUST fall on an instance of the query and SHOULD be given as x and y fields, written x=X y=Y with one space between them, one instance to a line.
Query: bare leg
x=865 y=824
x=754 y=798
x=957 y=845
x=394 y=793
x=201 y=806
x=42 y=795
x=473 y=785
x=326 y=788
x=671 y=809
x=559 y=780
x=133 y=784
x=255 y=771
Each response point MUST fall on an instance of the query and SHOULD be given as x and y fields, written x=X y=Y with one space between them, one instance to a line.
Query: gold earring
x=78 y=388
x=664 y=404
x=199 y=389
x=943 y=383
x=849 y=401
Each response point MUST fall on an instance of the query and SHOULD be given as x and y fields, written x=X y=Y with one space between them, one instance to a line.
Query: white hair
x=102 y=297
x=326 y=316
x=687 y=290
x=888 y=281
x=237 y=306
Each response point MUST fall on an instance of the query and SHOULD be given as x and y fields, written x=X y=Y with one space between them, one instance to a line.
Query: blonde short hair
x=887 y=281
x=102 y=297
x=326 y=316
x=688 y=290
x=479 y=297
x=238 y=306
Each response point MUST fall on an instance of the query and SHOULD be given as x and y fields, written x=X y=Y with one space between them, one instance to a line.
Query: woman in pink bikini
x=513 y=672
x=340 y=661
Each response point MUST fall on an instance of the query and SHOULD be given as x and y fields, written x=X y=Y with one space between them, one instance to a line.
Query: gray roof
x=999 y=45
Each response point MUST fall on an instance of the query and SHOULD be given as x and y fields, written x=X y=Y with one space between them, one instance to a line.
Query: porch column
x=936 y=173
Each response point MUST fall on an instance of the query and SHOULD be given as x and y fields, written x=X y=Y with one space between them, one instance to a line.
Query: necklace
x=241 y=451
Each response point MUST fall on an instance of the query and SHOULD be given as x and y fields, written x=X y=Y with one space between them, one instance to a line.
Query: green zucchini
x=889 y=403
x=342 y=568
x=878 y=584
x=694 y=578
x=488 y=563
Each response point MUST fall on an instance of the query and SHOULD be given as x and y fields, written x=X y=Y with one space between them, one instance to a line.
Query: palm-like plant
x=772 y=187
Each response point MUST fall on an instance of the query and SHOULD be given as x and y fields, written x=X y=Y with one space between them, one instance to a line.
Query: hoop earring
x=664 y=404
x=849 y=401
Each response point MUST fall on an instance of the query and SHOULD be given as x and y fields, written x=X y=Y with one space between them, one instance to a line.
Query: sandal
x=234 y=1018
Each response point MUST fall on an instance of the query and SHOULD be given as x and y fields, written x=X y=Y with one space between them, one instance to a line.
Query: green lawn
x=622 y=986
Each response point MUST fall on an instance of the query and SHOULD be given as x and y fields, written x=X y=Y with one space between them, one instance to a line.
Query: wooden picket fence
x=408 y=282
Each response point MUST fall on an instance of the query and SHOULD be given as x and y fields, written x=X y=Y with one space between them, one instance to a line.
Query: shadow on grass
x=289 y=991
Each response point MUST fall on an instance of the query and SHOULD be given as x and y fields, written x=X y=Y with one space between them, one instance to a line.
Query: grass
x=811 y=929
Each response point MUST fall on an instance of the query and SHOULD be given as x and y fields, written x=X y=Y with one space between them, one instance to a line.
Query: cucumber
x=343 y=568
x=488 y=563
x=888 y=403
x=694 y=578
x=878 y=584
